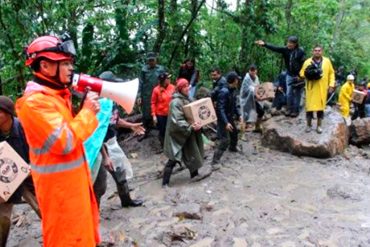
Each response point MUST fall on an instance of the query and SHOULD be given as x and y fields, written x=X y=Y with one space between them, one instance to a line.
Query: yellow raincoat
x=345 y=96
x=317 y=91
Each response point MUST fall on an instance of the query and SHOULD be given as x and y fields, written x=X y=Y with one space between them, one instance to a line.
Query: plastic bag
x=118 y=157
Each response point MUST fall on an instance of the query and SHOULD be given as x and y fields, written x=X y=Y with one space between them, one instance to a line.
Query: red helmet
x=49 y=47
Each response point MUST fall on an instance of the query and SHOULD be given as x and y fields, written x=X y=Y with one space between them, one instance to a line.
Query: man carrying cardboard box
x=11 y=131
x=183 y=141
x=345 y=96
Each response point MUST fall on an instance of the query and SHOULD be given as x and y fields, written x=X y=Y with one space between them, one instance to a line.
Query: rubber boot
x=242 y=131
x=167 y=172
x=161 y=140
x=309 y=125
x=5 y=214
x=100 y=184
x=216 y=159
x=319 y=123
x=119 y=177
x=258 y=128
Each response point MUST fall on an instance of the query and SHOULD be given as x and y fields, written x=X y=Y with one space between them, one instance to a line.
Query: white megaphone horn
x=123 y=93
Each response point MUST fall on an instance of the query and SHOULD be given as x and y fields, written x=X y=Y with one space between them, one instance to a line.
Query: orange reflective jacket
x=58 y=166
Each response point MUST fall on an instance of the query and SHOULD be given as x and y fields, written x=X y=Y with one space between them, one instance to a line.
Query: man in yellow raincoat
x=317 y=89
x=345 y=95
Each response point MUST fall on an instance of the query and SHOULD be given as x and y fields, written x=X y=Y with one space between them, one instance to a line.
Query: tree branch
x=185 y=31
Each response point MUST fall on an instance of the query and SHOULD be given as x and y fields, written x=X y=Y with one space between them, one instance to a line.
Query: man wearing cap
x=147 y=81
x=55 y=137
x=12 y=132
x=226 y=111
x=294 y=58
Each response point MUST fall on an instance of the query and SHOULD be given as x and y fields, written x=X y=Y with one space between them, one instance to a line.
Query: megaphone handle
x=87 y=89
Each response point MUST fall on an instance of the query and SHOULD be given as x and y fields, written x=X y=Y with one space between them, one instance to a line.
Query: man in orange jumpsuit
x=55 y=136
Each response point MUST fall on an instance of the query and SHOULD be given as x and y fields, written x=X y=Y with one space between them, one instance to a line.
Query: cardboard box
x=265 y=91
x=201 y=111
x=358 y=96
x=13 y=171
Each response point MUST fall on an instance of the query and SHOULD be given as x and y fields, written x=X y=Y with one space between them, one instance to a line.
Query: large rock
x=360 y=131
x=288 y=135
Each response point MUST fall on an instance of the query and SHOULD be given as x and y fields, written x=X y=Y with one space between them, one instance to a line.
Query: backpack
x=313 y=72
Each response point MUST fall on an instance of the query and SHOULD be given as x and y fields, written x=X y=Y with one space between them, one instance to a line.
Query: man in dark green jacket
x=147 y=81
x=183 y=141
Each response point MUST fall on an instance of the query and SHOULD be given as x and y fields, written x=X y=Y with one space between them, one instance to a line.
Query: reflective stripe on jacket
x=59 y=169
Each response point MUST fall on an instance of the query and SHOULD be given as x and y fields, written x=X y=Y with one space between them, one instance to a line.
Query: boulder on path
x=360 y=132
x=288 y=135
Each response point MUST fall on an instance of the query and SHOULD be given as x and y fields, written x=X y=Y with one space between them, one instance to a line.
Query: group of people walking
x=52 y=137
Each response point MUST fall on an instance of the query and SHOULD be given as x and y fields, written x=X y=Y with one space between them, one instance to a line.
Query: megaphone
x=123 y=93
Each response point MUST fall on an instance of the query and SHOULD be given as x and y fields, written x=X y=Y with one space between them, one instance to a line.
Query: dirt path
x=258 y=198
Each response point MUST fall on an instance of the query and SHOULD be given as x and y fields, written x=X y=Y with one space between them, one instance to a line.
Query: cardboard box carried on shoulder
x=13 y=171
x=265 y=91
x=201 y=111
x=358 y=96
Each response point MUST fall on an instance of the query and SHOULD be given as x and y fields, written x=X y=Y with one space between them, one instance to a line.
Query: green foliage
x=117 y=35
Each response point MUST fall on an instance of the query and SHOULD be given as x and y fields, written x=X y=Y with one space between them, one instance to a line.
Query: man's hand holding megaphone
x=123 y=93
x=91 y=102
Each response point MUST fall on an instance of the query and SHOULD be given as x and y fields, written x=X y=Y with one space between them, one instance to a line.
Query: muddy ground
x=260 y=197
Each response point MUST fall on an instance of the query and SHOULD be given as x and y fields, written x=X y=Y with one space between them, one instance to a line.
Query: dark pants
x=227 y=139
x=319 y=114
x=259 y=110
x=279 y=100
x=100 y=184
x=359 y=111
x=294 y=95
x=147 y=124
x=161 y=125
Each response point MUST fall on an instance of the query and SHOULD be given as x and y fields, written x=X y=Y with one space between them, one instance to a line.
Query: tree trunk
x=161 y=27
x=244 y=20
x=338 y=22
x=1 y=87
x=184 y=32
x=190 y=44
x=288 y=13
x=87 y=38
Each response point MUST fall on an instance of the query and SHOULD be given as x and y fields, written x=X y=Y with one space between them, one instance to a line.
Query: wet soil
x=259 y=197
